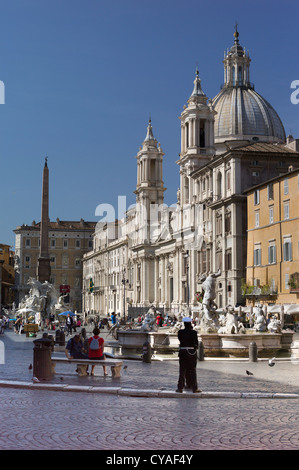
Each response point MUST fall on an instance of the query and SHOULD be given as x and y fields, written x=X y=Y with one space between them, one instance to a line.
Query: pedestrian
x=74 y=348
x=188 y=357
x=18 y=324
x=69 y=323
x=96 y=349
x=113 y=318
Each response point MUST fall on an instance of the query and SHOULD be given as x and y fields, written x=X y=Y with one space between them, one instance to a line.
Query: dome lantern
x=243 y=114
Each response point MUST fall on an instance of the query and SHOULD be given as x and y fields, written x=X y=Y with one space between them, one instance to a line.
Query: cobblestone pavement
x=47 y=420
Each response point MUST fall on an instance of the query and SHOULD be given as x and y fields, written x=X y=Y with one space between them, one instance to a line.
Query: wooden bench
x=115 y=364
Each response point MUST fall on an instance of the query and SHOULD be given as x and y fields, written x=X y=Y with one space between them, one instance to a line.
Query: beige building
x=272 y=272
x=68 y=241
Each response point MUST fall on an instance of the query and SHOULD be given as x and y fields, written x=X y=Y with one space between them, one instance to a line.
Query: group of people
x=93 y=349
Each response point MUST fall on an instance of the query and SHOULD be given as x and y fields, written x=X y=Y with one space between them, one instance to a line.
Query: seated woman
x=96 y=349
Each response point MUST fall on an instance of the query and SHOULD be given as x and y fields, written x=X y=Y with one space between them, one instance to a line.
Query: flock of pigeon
x=271 y=363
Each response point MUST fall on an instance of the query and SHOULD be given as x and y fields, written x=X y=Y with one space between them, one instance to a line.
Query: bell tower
x=150 y=187
x=197 y=137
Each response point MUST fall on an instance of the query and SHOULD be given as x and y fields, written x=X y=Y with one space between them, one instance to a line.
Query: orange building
x=272 y=272
x=7 y=275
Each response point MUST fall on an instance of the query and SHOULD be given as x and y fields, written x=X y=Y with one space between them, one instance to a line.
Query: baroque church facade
x=158 y=255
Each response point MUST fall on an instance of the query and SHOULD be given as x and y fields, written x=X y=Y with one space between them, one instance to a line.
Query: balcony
x=265 y=292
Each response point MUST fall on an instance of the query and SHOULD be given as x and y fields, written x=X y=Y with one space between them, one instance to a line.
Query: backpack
x=94 y=344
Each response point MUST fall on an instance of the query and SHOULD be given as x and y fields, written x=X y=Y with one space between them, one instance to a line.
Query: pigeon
x=61 y=378
x=125 y=367
x=271 y=362
x=30 y=367
x=35 y=380
x=248 y=372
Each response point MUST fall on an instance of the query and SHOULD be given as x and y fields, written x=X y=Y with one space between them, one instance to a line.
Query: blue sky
x=82 y=77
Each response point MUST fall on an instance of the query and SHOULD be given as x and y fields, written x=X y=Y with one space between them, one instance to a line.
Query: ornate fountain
x=221 y=330
x=41 y=302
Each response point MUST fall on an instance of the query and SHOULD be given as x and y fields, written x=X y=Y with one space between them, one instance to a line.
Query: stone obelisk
x=43 y=264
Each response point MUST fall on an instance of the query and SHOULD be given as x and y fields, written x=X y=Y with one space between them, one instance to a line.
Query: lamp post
x=124 y=282
x=186 y=256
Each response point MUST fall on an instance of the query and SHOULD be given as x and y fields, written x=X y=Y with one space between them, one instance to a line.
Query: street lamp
x=124 y=282
x=186 y=256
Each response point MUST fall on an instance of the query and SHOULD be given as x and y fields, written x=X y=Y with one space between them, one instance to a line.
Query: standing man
x=188 y=357
x=113 y=318
x=69 y=323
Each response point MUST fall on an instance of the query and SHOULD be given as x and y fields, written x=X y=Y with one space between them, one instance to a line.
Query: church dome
x=242 y=113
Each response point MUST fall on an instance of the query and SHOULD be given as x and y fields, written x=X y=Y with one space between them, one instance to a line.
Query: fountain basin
x=237 y=345
x=215 y=345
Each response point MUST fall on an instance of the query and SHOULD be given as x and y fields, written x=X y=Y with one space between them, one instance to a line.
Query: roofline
x=276 y=178
x=238 y=150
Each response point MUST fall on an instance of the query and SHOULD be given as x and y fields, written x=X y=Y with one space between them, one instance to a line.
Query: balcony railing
x=259 y=291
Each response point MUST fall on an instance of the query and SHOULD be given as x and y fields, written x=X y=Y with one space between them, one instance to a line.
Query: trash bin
x=146 y=352
x=42 y=364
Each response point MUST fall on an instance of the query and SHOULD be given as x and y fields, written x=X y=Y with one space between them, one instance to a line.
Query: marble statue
x=42 y=299
x=260 y=321
x=178 y=324
x=149 y=323
x=274 y=325
x=231 y=324
x=208 y=316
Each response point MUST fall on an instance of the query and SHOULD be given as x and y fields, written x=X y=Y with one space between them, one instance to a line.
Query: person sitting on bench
x=74 y=349
x=96 y=349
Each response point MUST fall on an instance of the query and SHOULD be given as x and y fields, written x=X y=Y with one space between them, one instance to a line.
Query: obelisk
x=43 y=264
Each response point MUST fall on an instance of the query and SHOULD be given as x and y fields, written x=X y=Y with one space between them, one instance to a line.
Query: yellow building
x=272 y=272
x=7 y=275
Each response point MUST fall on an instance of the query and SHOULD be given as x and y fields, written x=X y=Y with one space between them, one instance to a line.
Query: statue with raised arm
x=209 y=318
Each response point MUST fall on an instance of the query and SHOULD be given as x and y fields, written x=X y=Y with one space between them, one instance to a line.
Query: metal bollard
x=252 y=352
x=201 y=352
x=57 y=336
x=62 y=338
x=146 y=352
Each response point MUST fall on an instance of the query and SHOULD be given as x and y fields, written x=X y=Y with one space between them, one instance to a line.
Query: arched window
x=186 y=189
x=233 y=75
x=219 y=185
x=202 y=142
x=187 y=134
x=240 y=75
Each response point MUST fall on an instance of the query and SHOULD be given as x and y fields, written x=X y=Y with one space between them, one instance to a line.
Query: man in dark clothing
x=69 y=323
x=75 y=349
x=188 y=357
